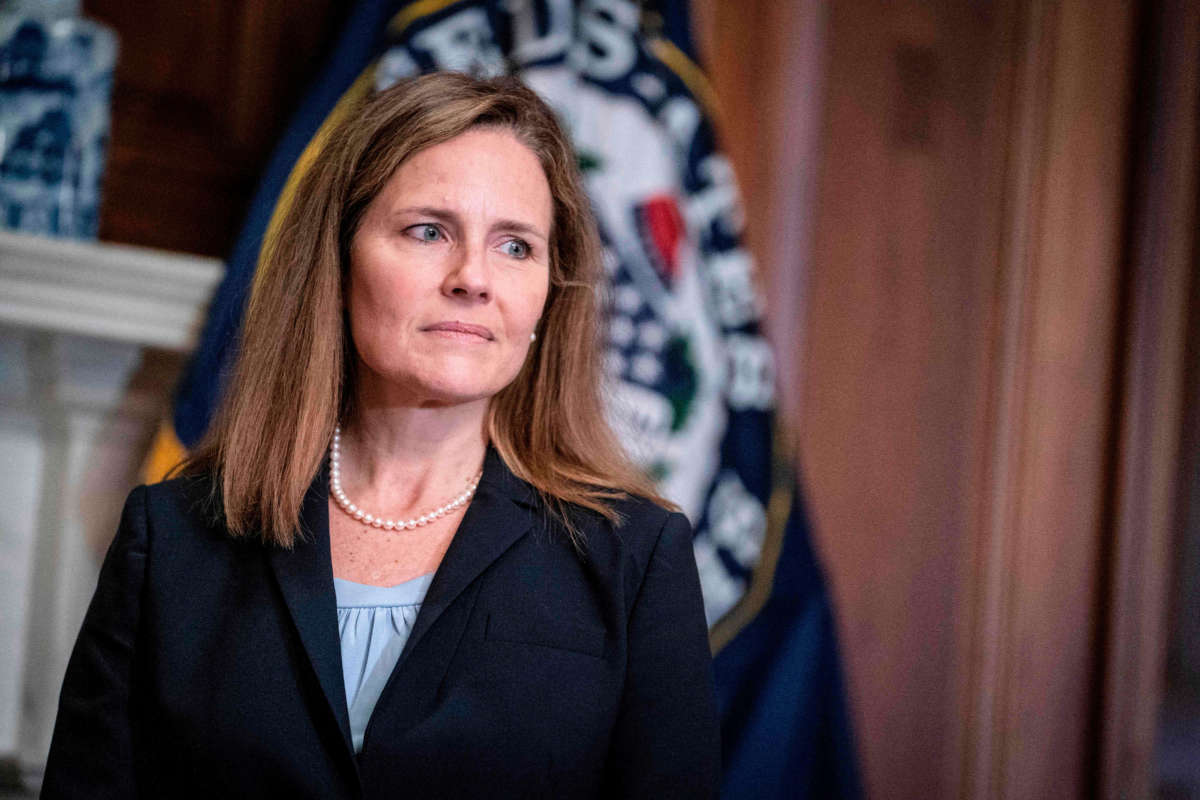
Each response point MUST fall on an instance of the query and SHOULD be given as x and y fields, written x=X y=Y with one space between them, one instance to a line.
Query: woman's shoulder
x=166 y=522
x=185 y=490
x=178 y=504
x=653 y=525
x=636 y=526
x=638 y=512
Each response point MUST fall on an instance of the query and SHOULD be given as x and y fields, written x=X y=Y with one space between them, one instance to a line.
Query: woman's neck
x=400 y=457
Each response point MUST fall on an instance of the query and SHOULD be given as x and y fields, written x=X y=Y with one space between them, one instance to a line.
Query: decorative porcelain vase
x=56 y=74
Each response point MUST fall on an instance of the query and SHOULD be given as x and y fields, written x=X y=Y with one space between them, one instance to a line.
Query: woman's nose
x=469 y=276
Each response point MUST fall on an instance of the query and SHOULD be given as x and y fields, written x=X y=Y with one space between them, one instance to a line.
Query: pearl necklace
x=376 y=520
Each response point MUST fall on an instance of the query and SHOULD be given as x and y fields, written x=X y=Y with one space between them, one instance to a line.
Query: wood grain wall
x=202 y=92
x=889 y=357
x=986 y=355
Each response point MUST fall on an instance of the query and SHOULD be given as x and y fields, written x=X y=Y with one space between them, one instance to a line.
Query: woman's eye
x=516 y=248
x=426 y=232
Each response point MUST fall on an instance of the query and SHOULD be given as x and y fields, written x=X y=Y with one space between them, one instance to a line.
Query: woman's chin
x=446 y=393
x=451 y=382
x=451 y=400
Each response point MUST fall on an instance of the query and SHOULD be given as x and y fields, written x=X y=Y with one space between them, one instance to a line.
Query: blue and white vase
x=56 y=74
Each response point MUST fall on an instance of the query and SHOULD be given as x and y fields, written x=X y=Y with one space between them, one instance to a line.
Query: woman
x=410 y=559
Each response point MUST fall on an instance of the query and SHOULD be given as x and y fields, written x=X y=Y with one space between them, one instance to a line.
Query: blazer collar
x=500 y=513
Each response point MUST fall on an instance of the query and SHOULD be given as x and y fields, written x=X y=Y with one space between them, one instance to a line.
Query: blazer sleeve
x=91 y=752
x=666 y=743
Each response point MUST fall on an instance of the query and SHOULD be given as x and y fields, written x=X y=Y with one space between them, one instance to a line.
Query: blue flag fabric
x=785 y=732
x=689 y=374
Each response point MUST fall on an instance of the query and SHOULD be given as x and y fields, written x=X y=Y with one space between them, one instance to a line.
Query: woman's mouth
x=465 y=329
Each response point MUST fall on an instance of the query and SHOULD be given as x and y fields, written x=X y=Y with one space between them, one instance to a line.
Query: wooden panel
x=960 y=317
x=899 y=313
x=1044 y=500
x=202 y=92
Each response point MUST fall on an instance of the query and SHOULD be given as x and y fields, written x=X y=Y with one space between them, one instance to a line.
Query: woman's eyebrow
x=515 y=226
x=427 y=211
x=452 y=217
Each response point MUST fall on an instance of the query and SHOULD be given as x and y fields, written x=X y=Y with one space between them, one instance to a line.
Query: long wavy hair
x=293 y=377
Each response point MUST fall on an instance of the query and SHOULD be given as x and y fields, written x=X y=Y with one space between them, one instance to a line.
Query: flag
x=688 y=371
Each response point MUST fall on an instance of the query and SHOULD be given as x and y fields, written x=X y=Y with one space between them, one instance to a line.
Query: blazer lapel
x=305 y=577
x=499 y=515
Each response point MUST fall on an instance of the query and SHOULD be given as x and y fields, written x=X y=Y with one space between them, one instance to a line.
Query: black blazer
x=209 y=666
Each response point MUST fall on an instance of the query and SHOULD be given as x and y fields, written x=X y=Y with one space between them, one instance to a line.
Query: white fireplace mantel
x=92 y=336
x=118 y=292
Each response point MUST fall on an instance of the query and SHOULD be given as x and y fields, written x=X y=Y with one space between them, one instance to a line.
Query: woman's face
x=449 y=270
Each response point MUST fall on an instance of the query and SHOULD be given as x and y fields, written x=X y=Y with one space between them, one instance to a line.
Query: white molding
x=109 y=291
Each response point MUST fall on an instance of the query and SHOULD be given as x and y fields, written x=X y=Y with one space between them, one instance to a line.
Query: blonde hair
x=293 y=375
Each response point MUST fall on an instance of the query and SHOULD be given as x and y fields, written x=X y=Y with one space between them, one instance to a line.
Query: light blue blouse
x=374 y=623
